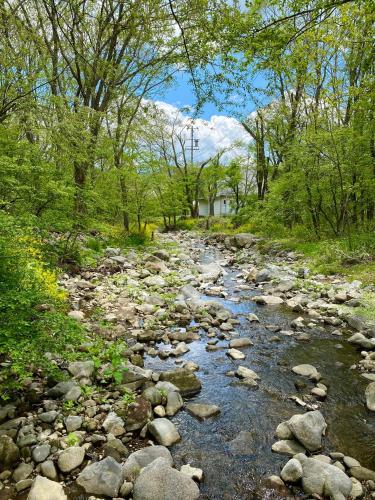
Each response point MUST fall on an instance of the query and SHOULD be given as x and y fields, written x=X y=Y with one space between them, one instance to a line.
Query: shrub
x=33 y=318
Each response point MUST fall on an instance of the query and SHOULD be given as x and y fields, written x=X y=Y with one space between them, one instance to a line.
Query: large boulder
x=242 y=240
x=141 y=458
x=159 y=481
x=321 y=478
x=45 y=489
x=164 y=431
x=187 y=382
x=102 y=478
x=308 y=428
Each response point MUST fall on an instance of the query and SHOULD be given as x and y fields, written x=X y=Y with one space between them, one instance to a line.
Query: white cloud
x=217 y=133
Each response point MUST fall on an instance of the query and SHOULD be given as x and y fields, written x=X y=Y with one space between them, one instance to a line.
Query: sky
x=214 y=129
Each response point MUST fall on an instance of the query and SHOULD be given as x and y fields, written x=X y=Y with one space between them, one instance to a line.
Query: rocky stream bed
x=245 y=379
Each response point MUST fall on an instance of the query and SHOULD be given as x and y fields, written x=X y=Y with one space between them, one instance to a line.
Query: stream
x=234 y=448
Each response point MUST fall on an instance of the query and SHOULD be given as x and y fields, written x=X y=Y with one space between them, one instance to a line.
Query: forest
x=95 y=165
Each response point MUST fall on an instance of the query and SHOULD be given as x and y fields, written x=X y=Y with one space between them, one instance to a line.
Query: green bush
x=33 y=318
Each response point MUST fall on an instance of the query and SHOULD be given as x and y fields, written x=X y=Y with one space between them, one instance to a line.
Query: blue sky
x=215 y=129
x=181 y=95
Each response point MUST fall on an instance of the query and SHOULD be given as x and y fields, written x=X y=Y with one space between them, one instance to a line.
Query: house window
x=225 y=202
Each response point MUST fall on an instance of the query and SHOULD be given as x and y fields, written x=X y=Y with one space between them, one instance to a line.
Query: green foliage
x=129 y=397
x=33 y=318
x=72 y=439
x=110 y=355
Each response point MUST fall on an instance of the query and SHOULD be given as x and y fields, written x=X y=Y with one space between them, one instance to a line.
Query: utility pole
x=194 y=143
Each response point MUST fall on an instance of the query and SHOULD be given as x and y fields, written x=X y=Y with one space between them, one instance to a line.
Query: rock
x=241 y=342
x=48 y=469
x=164 y=431
x=159 y=481
x=269 y=300
x=370 y=396
x=134 y=376
x=308 y=428
x=357 y=490
x=159 y=411
x=114 y=424
x=210 y=272
x=244 y=372
x=126 y=489
x=137 y=414
x=236 y=354
x=102 y=478
x=320 y=478
x=287 y=447
x=174 y=403
x=156 y=281
x=186 y=381
x=116 y=449
x=285 y=286
x=153 y=395
x=23 y=471
x=23 y=484
x=242 y=240
x=318 y=393
x=73 y=423
x=362 y=474
x=277 y=484
x=192 y=472
x=61 y=388
x=362 y=341
x=77 y=315
x=307 y=371
x=263 y=275
x=292 y=471
x=71 y=458
x=202 y=411
x=253 y=318
x=73 y=394
x=48 y=417
x=45 y=489
x=283 y=431
x=9 y=452
x=162 y=254
x=143 y=457
x=351 y=462
x=81 y=369
x=40 y=453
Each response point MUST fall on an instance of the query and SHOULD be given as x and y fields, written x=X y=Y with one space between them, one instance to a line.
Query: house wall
x=222 y=206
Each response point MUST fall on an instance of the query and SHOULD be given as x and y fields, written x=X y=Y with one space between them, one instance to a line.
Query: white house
x=222 y=205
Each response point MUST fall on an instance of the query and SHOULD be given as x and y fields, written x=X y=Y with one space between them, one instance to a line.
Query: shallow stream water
x=234 y=468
